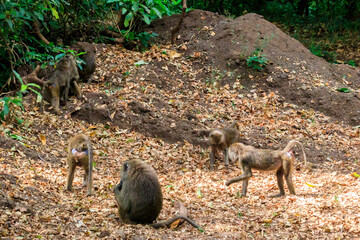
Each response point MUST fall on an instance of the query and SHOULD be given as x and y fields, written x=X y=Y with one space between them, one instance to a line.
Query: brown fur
x=89 y=58
x=139 y=197
x=221 y=139
x=60 y=81
x=280 y=161
x=80 y=154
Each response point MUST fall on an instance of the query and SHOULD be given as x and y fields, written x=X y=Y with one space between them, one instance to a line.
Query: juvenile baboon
x=60 y=81
x=80 y=154
x=221 y=139
x=280 y=161
x=89 y=59
x=139 y=197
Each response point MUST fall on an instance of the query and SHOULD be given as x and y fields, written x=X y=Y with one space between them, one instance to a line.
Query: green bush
x=257 y=60
x=12 y=107
x=64 y=22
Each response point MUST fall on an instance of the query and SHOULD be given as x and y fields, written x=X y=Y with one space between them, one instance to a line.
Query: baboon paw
x=277 y=195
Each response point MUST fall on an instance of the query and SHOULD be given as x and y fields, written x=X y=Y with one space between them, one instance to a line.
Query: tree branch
x=37 y=31
x=177 y=28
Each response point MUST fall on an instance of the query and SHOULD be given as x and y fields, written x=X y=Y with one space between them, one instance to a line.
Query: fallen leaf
x=175 y=224
x=43 y=139
x=314 y=185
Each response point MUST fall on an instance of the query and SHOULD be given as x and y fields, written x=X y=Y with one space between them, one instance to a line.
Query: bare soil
x=162 y=111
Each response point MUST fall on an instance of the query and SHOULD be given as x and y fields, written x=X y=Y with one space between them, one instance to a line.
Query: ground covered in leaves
x=159 y=106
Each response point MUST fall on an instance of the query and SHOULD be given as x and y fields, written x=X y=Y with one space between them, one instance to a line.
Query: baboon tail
x=291 y=144
x=170 y=221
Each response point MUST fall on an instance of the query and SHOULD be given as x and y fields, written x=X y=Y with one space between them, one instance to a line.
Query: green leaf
x=157 y=12
x=16 y=137
x=146 y=19
x=80 y=54
x=23 y=87
x=17 y=75
x=198 y=193
x=141 y=62
x=61 y=55
x=345 y=90
x=128 y=17
x=19 y=120
x=145 y=7
x=135 y=7
x=54 y=12
x=39 y=98
x=9 y=23
x=34 y=85
x=2 y=16
x=6 y=109
x=35 y=91
x=39 y=16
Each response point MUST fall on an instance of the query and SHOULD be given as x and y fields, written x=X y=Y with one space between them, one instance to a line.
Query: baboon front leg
x=85 y=180
x=70 y=176
x=66 y=92
x=55 y=98
x=77 y=89
x=244 y=176
x=212 y=158
x=226 y=157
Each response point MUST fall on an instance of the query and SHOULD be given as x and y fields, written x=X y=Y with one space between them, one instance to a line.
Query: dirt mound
x=301 y=77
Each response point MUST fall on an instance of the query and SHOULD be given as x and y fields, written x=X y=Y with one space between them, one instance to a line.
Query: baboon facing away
x=89 y=59
x=221 y=139
x=139 y=196
x=80 y=153
x=280 y=161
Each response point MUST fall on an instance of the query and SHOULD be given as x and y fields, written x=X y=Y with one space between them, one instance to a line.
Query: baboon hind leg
x=280 y=181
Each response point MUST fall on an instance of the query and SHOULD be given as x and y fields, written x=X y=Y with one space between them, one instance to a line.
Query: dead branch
x=37 y=31
x=118 y=38
x=33 y=78
x=177 y=28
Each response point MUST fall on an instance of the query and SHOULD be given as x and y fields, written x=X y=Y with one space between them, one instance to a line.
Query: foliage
x=345 y=90
x=147 y=10
x=257 y=60
x=12 y=106
x=144 y=38
x=352 y=63
x=63 y=22
x=327 y=55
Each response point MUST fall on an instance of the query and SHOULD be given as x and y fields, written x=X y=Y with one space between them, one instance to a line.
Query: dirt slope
x=298 y=75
